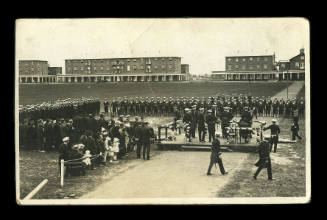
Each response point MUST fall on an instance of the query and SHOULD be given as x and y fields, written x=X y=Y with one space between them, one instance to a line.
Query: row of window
x=148 y=60
x=244 y=59
x=244 y=67
x=120 y=67
x=299 y=65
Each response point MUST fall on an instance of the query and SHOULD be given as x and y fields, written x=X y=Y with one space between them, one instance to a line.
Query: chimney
x=302 y=51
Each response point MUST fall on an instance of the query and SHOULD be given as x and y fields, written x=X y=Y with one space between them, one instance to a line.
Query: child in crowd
x=115 y=148
x=87 y=159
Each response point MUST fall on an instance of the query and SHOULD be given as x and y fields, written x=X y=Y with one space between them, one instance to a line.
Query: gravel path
x=170 y=174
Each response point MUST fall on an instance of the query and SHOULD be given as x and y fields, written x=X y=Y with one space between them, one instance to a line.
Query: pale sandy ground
x=171 y=174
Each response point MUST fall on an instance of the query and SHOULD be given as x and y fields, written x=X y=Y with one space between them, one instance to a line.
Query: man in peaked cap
x=211 y=122
x=215 y=156
x=225 y=118
x=201 y=125
x=275 y=130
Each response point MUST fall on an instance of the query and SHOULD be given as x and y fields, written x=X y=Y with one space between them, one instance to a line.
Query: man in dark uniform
x=193 y=121
x=146 y=133
x=264 y=159
x=106 y=106
x=225 y=118
x=215 y=156
x=211 y=122
x=274 y=128
x=201 y=125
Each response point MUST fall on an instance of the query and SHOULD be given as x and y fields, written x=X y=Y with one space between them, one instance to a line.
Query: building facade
x=34 y=71
x=294 y=69
x=250 y=63
x=247 y=68
x=262 y=68
x=55 y=70
x=139 y=69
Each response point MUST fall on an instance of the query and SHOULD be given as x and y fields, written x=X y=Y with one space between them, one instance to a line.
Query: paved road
x=170 y=174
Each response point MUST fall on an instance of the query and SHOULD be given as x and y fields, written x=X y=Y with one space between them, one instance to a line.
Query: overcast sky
x=202 y=43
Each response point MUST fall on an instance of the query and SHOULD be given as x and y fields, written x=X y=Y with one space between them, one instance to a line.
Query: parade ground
x=37 y=93
x=173 y=173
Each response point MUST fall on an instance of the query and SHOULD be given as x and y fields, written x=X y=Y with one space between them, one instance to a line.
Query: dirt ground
x=170 y=174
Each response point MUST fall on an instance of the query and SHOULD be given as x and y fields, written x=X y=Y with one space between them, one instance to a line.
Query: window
x=156 y=67
x=162 y=66
x=134 y=67
x=68 y=68
x=170 y=59
x=102 y=68
x=75 y=68
x=251 y=67
x=251 y=58
x=163 y=59
x=229 y=67
x=155 y=58
x=236 y=66
x=266 y=58
x=170 y=66
x=258 y=66
x=283 y=65
x=148 y=69
x=95 y=68
x=128 y=60
x=297 y=64
x=302 y=65
x=108 y=68
x=302 y=57
x=243 y=67
x=236 y=59
x=243 y=59
x=258 y=58
x=229 y=59
x=142 y=67
x=265 y=66
x=81 y=68
x=134 y=60
x=128 y=68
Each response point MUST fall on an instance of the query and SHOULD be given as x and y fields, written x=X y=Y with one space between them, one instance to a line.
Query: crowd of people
x=164 y=106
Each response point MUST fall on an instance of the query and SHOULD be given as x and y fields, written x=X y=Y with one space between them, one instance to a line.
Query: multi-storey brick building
x=55 y=70
x=34 y=71
x=247 y=68
x=262 y=68
x=250 y=63
x=294 y=69
x=33 y=67
x=124 y=69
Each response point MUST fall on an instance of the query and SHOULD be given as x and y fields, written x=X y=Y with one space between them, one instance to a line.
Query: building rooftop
x=122 y=58
x=33 y=60
x=269 y=55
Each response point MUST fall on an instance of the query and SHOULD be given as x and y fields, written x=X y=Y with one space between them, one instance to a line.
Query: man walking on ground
x=264 y=159
x=215 y=156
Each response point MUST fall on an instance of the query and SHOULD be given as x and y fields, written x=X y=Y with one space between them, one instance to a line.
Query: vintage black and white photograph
x=162 y=111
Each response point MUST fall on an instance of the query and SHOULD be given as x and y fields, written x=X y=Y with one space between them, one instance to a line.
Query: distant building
x=133 y=69
x=293 y=69
x=55 y=70
x=33 y=67
x=250 y=63
x=247 y=68
x=34 y=71
x=262 y=68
